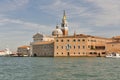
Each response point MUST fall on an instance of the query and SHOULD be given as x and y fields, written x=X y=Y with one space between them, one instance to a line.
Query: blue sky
x=21 y=19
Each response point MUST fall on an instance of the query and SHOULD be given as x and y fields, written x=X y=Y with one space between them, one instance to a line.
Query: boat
x=113 y=55
x=5 y=52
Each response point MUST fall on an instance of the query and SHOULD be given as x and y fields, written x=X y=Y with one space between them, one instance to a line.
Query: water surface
x=59 y=68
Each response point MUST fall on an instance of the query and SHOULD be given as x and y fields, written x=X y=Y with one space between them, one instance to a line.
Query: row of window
x=74 y=47
x=83 y=53
x=78 y=47
x=73 y=53
x=74 y=40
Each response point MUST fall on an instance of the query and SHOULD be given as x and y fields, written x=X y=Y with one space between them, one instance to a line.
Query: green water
x=48 y=68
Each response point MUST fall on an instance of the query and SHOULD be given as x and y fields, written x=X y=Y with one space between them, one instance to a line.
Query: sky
x=21 y=19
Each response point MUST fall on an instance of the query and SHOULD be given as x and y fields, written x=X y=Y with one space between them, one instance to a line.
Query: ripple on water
x=59 y=68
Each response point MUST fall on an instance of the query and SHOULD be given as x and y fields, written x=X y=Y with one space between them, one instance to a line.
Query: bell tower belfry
x=64 y=25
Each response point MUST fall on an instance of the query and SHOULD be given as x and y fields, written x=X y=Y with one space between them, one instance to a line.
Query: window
x=83 y=47
x=74 y=40
x=62 y=47
x=88 y=46
x=83 y=52
x=78 y=47
x=90 y=52
x=68 y=40
x=57 y=40
x=74 y=47
x=62 y=40
x=78 y=52
x=92 y=47
x=57 y=47
x=74 y=52
x=57 y=53
x=103 y=52
x=83 y=39
x=62 y=52
x=78 y=40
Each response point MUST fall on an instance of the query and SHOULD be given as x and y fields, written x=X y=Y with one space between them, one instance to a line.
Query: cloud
x=93 y=12
x=27 y=25
x=99 y=17
x=109 y=12
x=59 y=5
x=17 y=32
x=94 y=17
x=10 y=5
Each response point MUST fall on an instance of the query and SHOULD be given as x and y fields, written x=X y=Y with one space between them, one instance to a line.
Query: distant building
x=80 y=45
x=114 y=45
x=41 y=44
x=23 y=51
x=40 y=37
x=45 y=48
x=60 y=43
x=57 y=32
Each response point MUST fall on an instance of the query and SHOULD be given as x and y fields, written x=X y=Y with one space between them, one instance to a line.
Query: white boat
x=113 y=55
x=5 y=52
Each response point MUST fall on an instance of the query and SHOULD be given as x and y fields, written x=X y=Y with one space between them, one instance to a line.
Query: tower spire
x=64 y=15
x=64 y=24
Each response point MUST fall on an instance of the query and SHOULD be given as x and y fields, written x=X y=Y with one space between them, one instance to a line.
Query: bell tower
x=64 y=25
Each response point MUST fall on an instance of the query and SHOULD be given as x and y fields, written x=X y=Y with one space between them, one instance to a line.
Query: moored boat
x=113 y=55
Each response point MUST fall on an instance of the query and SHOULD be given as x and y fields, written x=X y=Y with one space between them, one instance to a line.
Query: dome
x=57 y=32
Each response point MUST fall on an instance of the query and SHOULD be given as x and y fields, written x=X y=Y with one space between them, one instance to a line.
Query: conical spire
x=64 y=15
x=64 y=24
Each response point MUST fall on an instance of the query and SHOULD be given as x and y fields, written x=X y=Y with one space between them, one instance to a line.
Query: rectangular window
x=88 y=46
x=62 y=47
x=83 y=40
x=74 y=40
x=83 y=47
x=78 y=47
x=57 y=40
x=78 y=40
x=74 y=47
x=68 y=40
x=57 y=47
